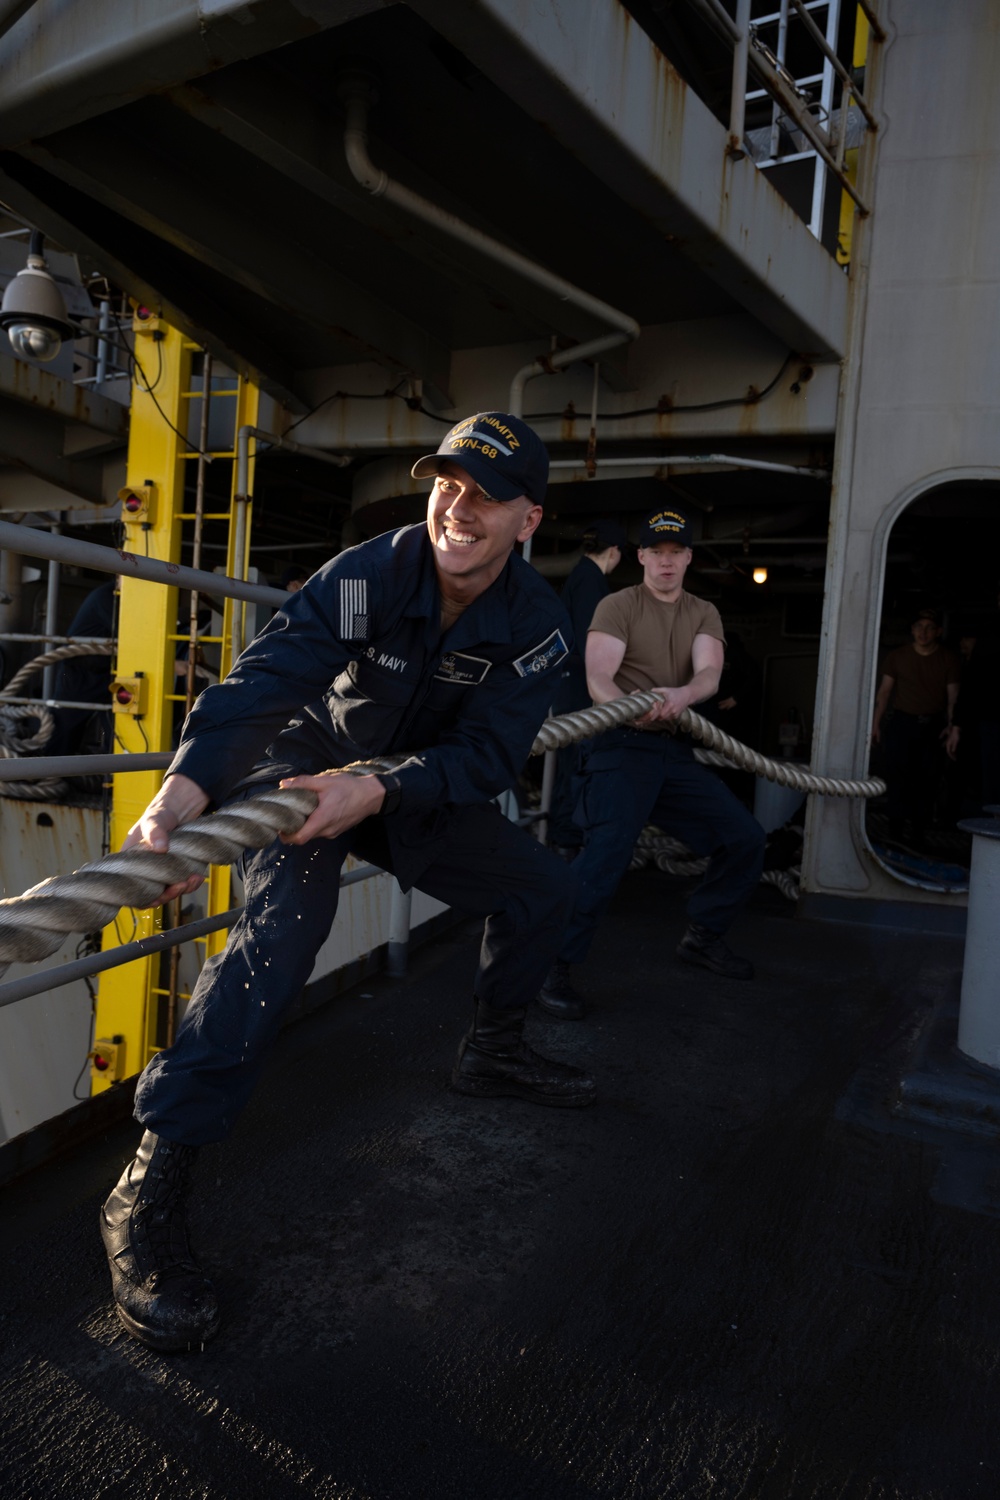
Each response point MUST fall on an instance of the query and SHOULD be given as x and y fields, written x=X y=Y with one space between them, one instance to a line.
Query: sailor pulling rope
x=34 y=924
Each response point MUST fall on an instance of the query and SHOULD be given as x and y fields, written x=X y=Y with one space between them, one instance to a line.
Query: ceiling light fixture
x=760 y=575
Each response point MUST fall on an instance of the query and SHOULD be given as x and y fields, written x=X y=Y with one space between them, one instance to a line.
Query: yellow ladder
x=130 y=1012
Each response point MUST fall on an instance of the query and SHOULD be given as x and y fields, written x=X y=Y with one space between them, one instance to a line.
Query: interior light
x=760 y=575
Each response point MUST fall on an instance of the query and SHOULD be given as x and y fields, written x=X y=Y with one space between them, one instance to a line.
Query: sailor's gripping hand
x=673 y=702
x=178 y=801
x=344 y=801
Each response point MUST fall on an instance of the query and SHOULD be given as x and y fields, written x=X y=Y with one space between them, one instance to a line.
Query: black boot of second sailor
x=161 y=1295
x=494 y=1061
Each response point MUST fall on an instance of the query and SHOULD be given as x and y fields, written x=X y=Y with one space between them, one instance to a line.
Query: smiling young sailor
x=436 y=639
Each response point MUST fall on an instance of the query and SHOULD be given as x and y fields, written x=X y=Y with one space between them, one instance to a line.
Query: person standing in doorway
x=920 y=682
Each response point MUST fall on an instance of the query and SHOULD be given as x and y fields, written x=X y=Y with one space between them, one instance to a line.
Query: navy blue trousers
x=633 y=777
x=192 y=1091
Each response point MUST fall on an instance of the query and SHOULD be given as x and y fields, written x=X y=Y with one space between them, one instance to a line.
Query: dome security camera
x=34 y=311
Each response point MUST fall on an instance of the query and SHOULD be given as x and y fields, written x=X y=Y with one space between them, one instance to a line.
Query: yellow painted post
x=126 y=1004
x=220 y=897
x=848 y=210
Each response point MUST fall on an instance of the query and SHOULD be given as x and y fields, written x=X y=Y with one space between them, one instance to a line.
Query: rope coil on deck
x=14 y=742
x=33 y=925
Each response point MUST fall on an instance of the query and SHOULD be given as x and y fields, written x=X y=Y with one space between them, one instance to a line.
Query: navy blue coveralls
x=633 y=777
x=354 y=666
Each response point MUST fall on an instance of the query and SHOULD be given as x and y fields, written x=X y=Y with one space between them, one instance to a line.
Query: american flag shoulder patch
x=354 y=622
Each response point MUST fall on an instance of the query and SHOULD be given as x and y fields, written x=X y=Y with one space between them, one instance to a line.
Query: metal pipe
x=979 y=1007
x=793 y=106
x=38 y=767
x=781 y=53
x=199 y=521
x=400 y=907
x=838 y=67
x=695 y=460
x=358 y=94
x=55 y=703
x=51 y=618
x=204 y=459
x=718 y=18
x=738 y=95
x=558 y=361
x=869 y=9
x=548 y=787
x=103 y=324
x=826 y=106
x=98 y=963
x=59 y=640
x=11 y=12
x=592 y=439
x=34 y=543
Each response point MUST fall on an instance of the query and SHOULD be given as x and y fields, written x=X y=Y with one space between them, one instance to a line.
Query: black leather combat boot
x=700 y=945
x=494 y=1060
x=558 y=996
x=160 y=1294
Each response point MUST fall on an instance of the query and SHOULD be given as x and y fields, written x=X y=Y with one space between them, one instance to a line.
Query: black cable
x=668 y=411
x=149 y=390
x=413 y=402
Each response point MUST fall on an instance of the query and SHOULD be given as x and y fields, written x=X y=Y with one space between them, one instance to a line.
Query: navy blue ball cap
x=666 y=525
x=600 y=535
x=502 y=454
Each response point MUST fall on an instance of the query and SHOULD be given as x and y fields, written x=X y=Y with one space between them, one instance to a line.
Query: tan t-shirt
x=922 y=681
x=657 y=637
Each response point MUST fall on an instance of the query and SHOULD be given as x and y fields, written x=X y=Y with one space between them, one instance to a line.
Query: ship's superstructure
x=734 y=254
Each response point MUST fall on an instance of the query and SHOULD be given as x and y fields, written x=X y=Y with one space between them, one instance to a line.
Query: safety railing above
x=805 y=107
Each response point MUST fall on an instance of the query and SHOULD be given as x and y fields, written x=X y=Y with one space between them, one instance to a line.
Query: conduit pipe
x=357 y=91
x=696 y=460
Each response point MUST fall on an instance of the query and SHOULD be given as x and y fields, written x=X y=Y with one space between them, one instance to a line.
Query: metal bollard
x=979 y=1009
x=548 y=786
x=399 y=932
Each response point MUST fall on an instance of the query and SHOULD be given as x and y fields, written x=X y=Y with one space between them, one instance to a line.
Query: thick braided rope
x=674 y=858
x=12 y=743
x=586 y=722
x=33 y=925
x=49 y=659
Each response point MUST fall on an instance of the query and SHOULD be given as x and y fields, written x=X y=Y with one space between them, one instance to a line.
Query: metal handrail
x=32 y=542
x=750 y=55
x=38 y=767
x=158 y=942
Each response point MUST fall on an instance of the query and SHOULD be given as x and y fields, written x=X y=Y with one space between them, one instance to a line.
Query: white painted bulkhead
x=45 y=1040
x=920 y=403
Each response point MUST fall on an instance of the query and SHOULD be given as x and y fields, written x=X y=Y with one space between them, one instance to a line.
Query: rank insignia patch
x=541 y=657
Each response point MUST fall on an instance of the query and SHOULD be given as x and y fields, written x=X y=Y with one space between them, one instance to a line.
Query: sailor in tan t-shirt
x=657 y=637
